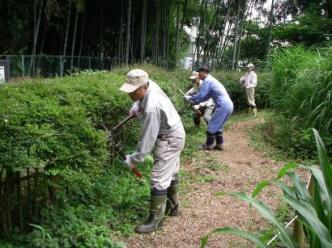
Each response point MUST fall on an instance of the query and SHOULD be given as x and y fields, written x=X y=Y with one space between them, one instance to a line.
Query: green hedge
x=56 y=126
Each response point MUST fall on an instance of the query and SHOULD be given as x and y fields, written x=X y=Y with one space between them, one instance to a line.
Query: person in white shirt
x=204 y=109
x=249 y=81
x=163 y=133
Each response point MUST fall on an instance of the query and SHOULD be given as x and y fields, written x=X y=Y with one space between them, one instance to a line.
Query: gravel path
x=205 y=205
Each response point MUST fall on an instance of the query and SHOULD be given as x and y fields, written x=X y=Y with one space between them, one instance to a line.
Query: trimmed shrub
x=53 y=137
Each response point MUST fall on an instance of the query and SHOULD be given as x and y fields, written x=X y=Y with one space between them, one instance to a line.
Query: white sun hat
x=250 y=65
x=194 y=75
x=135 y=79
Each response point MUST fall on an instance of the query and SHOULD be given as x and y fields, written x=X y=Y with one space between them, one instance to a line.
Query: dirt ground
x=205 y=206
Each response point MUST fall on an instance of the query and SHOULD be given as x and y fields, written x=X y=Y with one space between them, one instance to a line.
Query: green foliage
x=312 y=204
x=308 y=29
x=302 y=86
x=301 y=92
x=56 y=125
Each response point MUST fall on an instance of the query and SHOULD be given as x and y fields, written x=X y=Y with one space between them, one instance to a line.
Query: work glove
x=197 y=107
x=187 y=98
x=127 y=163
x=135 y=109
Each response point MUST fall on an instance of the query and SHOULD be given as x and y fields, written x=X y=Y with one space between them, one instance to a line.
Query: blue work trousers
x=220 y=116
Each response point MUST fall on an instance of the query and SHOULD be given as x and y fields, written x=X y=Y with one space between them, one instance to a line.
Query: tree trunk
x=82 y=38
x=329 y=8
x=167 y=34
x=199 y=42
x=128 y=32
x=143 y=30
x=179 y=43
x=177 y=32
x=74 y=40
x=156 y=34
x=67 y=30
x=224 y=34
x=120 y=50
x=101 y=33
x=243 y=17
x=234 y=66
x=35 y=33
x=270 y=29
x=226 y=41
x=164 y=32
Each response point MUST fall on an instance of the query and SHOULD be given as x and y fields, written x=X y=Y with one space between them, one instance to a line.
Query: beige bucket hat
x=135 y=79
x=194 y=75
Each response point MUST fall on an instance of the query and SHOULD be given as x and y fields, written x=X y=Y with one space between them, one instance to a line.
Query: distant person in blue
x=212 y=88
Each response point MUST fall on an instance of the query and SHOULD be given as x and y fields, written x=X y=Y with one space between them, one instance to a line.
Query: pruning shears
x=112 y=139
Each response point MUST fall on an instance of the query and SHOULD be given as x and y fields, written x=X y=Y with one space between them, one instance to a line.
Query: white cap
x=135 y=79
x=250 y=65
x=194 y=75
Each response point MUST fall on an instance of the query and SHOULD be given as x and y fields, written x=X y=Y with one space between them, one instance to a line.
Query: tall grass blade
x=312 y=221
x=227 y=230
x=300 y=187
x=321 y=185
x=260 y=187
x=286 y=189
x=326 y=168
x=283 y=171
x=324 y=163
x=267 y=213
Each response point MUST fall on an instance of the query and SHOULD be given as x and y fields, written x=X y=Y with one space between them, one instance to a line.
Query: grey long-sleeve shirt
x=158 y=116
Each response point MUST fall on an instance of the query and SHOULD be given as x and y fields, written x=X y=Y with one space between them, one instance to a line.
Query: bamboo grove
x=228 y=33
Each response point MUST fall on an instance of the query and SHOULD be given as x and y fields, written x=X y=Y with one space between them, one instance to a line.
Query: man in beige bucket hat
x=163 y=132
x=249 y=82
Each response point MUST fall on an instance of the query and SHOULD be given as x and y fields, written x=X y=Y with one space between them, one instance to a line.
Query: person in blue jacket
x=212 y=88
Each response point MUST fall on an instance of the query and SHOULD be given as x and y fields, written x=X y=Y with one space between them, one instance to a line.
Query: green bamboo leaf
x=286 y=189
x=227 y=230
x=259 y=187
x=267 y=213
x=283 y=171
x=325 y=165
x=318 y=205
x=326 y=168
x=300 y=187
x=323 y=191
x=312 y=221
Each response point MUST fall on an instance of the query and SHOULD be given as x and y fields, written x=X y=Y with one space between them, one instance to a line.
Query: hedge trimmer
x=113 y=142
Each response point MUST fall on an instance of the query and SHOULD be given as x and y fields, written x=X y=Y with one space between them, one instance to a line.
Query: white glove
x=135 y=109
x=197 y=107
x=187 y=97
x=127 y=162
